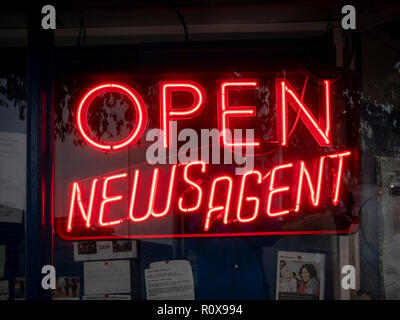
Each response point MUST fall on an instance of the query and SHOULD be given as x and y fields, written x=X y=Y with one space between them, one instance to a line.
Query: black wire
x=181 y=19
x=372 y=250
x=342 y=70
x=82 y=27
x=366 y=201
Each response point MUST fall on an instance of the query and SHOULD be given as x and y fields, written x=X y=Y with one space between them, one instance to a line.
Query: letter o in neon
x=133 y=96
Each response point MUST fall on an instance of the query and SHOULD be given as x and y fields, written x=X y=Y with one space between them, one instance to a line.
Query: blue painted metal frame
x=39 y=153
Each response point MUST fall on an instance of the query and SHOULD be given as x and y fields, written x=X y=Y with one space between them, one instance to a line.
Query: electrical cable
x=372 y=250
x=338 y=73
x=82 y=30
x=181 y=18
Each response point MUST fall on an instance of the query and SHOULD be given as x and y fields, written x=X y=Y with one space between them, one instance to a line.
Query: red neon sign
x=77 y=198
x=143 y=203
x=254 y=198
x=273 y=190
x=286 y=95
x=315 y=193
x=218 y=207
x=194 y=185
x=226 y=111
x=169 y=113
x=106 y=199
x=136 y=100
x=151 y=206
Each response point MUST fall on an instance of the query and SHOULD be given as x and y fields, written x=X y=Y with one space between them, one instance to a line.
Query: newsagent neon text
x=246 y=198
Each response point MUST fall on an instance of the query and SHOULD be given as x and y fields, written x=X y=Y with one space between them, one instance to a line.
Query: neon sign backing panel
x=300 y=181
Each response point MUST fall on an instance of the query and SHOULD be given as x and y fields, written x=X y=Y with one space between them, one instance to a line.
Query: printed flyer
x=300 y=276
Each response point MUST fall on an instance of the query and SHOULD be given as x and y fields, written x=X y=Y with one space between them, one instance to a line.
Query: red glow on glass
x=339 y=156
x=157 y=197
x=152 y=197
x=212 y=208
x=153 y=192
x=136 y=100
x=255 y=199
x=106 y=199
x=77 y=197
x=169 y=113
x=220 y=195
x=286 y=95
x=226 y=111
x=281 y=110
x=132 y=201
x=193 y=185
x=327 y=109
x=273 y=190
x=315 y=194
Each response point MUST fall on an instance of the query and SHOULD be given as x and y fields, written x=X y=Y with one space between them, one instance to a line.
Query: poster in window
x=300 y=276
x=67 y=288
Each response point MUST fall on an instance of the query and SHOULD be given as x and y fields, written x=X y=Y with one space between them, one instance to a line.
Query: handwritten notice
x=105 y=277
x=169 y=280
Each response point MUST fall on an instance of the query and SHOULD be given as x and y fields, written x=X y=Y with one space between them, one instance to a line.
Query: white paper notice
x=169 y=280
x=104 y=250
x=4 y=294
x=105 y=277
x=12 y=176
